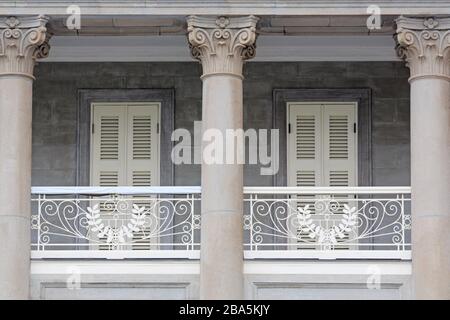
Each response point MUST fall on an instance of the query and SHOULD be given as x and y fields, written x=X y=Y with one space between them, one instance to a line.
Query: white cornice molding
x=228 y=7
x=175 y=48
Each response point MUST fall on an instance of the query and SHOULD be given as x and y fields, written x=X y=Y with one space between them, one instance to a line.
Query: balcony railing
x=116 y=222
x=328 y=223
x=164 y=222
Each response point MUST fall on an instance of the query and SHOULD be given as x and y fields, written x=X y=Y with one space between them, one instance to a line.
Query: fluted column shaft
x=425 y=45
x=22 y=40
x=222 y=45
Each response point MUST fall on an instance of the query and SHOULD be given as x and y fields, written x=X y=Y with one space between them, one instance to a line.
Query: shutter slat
x=306 y=178
x=142 y=137
x=339 y=179
x=338 y=136
x=109 y=137
x=109 y=179
x=142 y=178
x=305 y=136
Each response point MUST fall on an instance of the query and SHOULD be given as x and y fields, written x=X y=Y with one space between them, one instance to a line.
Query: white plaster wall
x=176 y=279
x=328 y=280
x=118 y=279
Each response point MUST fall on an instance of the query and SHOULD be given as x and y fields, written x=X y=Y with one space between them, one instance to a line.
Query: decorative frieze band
x=22 y=41
x=222 y=44
x=425 y=45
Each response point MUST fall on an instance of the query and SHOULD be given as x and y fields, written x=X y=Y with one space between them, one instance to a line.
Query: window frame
x=361 y=96
x=86 y=97
x=126 y=105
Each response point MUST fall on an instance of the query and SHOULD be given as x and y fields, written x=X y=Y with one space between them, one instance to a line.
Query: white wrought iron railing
x=327 y=223
x=115 y=222
x=164 y=222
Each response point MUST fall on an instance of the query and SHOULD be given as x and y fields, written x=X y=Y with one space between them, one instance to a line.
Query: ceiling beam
x=175 y=48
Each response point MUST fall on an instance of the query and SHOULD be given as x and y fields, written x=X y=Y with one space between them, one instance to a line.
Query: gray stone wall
x=55 y=108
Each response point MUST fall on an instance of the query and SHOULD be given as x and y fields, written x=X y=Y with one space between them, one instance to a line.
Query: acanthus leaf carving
x=425 y=46
x=22 y=42
x=222 y=44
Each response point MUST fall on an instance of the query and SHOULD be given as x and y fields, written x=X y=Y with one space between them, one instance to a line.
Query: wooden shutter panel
x=339 y=151
x=108 y=146
x=143 y=145
x=304 y=145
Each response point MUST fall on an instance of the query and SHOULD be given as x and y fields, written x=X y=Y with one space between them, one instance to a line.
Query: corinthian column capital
x=425 y=45
x=222 y=44
x=22 y=41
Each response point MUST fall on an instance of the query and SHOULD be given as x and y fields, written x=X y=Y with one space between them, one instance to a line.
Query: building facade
x=235 y=150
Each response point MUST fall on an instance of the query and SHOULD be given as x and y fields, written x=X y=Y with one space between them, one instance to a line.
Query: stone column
x=222 y=44
x=22 y=41
x=425 y=45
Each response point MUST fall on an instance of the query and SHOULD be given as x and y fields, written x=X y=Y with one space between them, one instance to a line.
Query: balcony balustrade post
x=23 y=40
x=425 y=45
x=222 y=44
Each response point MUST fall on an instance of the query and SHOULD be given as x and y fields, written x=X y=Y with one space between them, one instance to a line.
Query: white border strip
x=329 y=255
x=115 y=255
x=327 y=190
x=197 y=190
x=249 y=255
x=230 y=7
x=52 y=267
x=114 y=190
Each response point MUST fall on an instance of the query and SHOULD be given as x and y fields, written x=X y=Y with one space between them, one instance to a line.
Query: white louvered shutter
x=142 y=146
x=125 y=145
x=108 y=146
x=322 y=145
x=339 y=167
x=321 y=152
x=304 y=154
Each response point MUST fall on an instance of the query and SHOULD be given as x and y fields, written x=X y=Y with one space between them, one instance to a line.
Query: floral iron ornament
x=329 y=235
x=115 y=235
